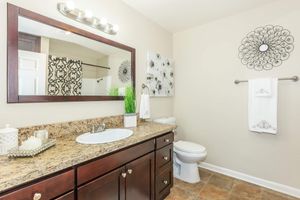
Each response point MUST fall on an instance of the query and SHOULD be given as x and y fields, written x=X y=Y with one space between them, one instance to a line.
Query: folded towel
x=145 y=106
x=262 y=105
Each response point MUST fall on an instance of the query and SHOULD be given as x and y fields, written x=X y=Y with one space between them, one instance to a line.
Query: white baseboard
x=251 y=179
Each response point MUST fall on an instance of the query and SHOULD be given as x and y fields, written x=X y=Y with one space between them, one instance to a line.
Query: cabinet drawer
x=164 y=156
x=69 y=196
x=164 y=140
x=103 y=165
x=47 y=189
x=164 y=182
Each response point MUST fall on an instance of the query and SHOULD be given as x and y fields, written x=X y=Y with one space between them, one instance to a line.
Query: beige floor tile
x=246 y=190
x=205 y=175
x=210 y=192
x=272 y=195
x=195 y=187
x=214 y=186
x=220 y=181
x=178 y=194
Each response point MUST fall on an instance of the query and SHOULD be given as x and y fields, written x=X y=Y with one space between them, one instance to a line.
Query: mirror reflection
x=56 y=62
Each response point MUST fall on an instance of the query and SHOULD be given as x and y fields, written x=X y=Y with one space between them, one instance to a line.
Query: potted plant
x=130 y=116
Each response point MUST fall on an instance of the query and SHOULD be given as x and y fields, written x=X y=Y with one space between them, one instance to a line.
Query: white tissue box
x=130 y=120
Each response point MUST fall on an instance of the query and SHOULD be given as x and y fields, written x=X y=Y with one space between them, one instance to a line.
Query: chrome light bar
x=86 y=17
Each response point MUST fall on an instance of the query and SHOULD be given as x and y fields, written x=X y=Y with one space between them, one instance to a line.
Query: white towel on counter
x=262 y=105
x=145 y=106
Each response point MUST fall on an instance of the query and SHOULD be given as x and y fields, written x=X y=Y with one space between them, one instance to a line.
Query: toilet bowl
x=186 y=158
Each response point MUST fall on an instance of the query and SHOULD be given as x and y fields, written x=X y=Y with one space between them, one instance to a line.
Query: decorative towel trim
x=264 y=125
x=262 y=92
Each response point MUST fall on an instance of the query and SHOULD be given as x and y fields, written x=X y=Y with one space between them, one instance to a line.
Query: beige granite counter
x=68 y=153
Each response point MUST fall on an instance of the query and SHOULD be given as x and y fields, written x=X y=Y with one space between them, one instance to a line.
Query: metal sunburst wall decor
x=125 y=71
x=266 y=47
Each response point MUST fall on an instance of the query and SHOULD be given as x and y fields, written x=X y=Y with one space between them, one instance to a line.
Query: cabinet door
x=69 y=196
x=140 y=178
x=109 y=187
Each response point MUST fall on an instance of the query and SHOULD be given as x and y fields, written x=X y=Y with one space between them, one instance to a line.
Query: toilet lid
x=189 y=147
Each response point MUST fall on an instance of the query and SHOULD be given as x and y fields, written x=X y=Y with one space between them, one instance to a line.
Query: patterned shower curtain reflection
x=64 y=76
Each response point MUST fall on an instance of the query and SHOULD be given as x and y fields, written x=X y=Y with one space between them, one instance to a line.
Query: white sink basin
x=109 y=135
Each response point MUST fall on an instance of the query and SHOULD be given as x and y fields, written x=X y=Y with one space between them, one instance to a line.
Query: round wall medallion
x=266 y=47
x=125 y=71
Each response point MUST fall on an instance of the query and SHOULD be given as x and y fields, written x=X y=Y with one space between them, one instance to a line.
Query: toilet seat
x=189 y=147
x=190 y=155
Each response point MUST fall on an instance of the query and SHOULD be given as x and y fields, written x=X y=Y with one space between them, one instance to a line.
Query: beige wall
x=62 y=48
x=135 y=31
x=212 y=111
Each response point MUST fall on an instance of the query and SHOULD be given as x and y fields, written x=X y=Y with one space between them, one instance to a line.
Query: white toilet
x=186 y=156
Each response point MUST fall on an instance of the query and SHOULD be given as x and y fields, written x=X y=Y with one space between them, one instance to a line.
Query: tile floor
x=214 y=186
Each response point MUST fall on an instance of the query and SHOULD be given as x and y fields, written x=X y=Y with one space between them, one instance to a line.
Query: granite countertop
x=67 y=153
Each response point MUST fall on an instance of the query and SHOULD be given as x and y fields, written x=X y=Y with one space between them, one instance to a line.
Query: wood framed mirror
x=50 y=61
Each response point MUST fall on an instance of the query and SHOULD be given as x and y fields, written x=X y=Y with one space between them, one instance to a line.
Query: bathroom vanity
x=140 y=168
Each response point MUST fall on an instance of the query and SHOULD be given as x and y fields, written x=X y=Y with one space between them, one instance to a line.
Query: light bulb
x=88 y=14
x=70 y=5
x=115 y=28
x=67 y=32
x=103 y=21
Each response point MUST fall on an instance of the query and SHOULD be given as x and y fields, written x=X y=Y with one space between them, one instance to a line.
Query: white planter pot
x=130 y=120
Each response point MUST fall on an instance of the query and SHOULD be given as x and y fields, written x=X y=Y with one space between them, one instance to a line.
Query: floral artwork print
x=266 y=47
x=160 y=75
x=125 y=71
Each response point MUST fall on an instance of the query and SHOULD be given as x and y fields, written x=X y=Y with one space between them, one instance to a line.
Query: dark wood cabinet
x=49 y=188
x=135 y=180
x=140 y=172
x=140 y=178
x=164 y=165
x=110 y=187
x=68 y=196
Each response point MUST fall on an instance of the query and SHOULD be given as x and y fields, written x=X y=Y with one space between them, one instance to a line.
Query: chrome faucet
x=98 y=128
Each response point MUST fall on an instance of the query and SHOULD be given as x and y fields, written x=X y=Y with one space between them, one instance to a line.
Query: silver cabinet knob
x=167 y=140
x=129 y=171
x=37 y=196
x=165 y=182
x=124 y=175
x=166 y=158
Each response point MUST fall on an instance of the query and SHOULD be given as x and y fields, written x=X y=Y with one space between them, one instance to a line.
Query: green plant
x=114 y=91
x=129 y=100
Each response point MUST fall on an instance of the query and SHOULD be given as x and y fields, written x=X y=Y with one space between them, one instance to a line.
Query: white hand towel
x=262 y=105
x=145 y=106
x=262 y=87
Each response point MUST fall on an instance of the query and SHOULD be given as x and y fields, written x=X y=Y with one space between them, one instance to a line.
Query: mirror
x=263 y=48
x=58 y=62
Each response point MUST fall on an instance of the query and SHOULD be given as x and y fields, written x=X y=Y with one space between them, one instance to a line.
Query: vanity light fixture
x=86 y=17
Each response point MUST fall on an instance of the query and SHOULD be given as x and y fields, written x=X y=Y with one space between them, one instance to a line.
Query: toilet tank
x=171 y=121
x=166 y=120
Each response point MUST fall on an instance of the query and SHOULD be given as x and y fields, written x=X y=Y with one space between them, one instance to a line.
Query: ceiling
x=177 y=15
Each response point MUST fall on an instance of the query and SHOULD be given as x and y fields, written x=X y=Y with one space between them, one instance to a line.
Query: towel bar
x=144 y=86
x=294 y=78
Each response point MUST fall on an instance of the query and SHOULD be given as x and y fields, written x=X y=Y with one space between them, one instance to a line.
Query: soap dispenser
x=8 y=139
